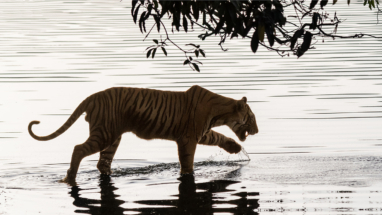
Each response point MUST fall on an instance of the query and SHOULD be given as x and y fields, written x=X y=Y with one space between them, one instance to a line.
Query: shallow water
x=318 y=150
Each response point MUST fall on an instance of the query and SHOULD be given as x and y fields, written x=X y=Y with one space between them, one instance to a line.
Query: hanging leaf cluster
x=151 y=50
x=264 y=22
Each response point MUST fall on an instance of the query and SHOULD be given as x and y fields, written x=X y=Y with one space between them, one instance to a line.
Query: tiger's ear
x=244 y=99
x=241 y=103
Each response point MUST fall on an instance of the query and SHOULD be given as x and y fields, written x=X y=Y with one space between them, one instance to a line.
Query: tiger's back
x=147 y=113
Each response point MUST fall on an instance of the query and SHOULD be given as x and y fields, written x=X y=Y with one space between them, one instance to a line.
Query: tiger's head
x=243 y=121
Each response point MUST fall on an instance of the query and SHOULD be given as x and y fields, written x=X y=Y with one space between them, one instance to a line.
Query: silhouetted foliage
x=284 y=26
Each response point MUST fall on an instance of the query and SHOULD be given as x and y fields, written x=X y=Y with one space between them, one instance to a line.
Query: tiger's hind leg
x=213 y=138
x=106 y=157
x=95 y=143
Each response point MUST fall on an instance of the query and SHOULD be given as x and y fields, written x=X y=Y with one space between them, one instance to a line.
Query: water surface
x=318 y=150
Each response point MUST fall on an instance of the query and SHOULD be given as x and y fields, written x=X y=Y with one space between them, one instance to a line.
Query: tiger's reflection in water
x=189 y=201
x=108 y=204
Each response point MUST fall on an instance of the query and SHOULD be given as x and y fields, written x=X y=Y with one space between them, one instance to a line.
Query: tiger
x=185 y=117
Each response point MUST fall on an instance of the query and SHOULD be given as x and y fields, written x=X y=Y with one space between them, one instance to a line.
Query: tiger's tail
x=75 y=115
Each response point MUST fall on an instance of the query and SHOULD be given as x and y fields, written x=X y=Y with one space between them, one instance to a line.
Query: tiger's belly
x=155 y=127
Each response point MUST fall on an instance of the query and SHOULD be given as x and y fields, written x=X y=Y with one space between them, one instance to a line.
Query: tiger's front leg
x=186 y=152
x=213 y=138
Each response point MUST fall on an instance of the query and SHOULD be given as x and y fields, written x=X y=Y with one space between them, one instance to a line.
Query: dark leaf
x=164 y=51
x=279 y=17
x=202 y=52
x=142 y=21
x=155 y=50
x=133 y=3
x=149 y=8
x=157 y=21
x=196 y=67
x=270 y=36
x=176 y=22
x=165 y=7
x=307 y=40
x=148 y=53
x=155 y=41
x=299 y=52
x=196 y=53
x=195 y=10
x=255 y=42
x=323 y=3
x=189 y=17
x=155 y=4
x=248 y=27
x=268 y=5
x=305 y=45
x=296 y=35
x=315 y=18
x=334 y=2
x=229 y=24
x=185 y=7
x=190 y=58
x=140 y=26
x=219 y=25
x=348 y=2
x=261 y=30
x=186 y=62
x=373 y=4
x=185 y=24
x=136 y=14
x=204 y=18
x=312 y=4
x=278 y=5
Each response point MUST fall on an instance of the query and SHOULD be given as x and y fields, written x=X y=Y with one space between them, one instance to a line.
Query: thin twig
x=295 y=9
x=149 y=32
x=168 y=38
x=360 y=35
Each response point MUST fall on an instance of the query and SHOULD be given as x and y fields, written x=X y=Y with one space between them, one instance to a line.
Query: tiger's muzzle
x=245 y=130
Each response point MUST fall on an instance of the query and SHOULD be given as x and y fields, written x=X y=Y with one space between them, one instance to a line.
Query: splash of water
x=215 y=164
x=242 y=156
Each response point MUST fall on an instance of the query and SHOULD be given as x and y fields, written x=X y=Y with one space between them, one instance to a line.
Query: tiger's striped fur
x=185 y=117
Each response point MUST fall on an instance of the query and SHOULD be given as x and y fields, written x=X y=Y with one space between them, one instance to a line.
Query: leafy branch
x=265 y=20
x=152 y=10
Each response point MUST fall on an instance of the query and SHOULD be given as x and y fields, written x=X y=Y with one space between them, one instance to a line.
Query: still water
x=318 y=150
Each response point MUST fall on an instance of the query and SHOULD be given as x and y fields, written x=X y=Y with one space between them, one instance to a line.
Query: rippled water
x=318 y=150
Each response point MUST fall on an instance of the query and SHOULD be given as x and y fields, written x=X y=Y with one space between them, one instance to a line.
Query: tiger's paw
x=106 y=172
x=104 y=169
x=231 y=146
x=69 y=181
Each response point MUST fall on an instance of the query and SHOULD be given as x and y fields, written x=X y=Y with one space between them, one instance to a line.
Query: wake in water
x=215 y=166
